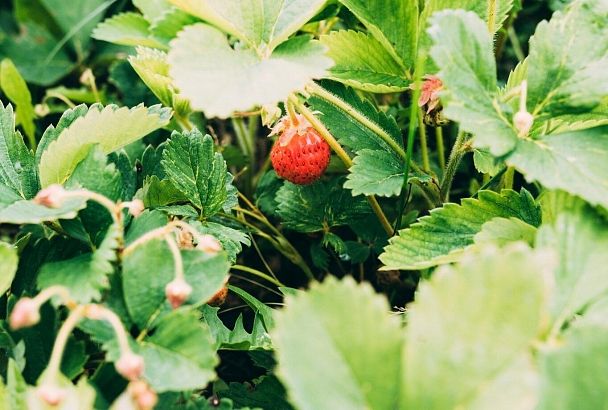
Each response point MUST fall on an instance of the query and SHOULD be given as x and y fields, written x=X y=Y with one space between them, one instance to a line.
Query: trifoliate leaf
x=238 y=338
x=110 y=127
x=85 y=276
x=194 y=168
x=362 y=62
x=311 y=208
x=463 y=51
x=220 y=80
x=392 y=23
x=180 y=355
x=478 y=349
x=563 y=161
x=127 y=29
x=345 y=332
x=17 y=164
x=150 y=267
x=578 y=236
x=15 y=88
x=8 y=265
x=441 y=236
x=260 y=24
x=567 y=61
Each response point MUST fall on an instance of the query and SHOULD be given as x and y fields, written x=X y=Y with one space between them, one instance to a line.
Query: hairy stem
x=456 y=156
x=440 y=147
x=424 y=150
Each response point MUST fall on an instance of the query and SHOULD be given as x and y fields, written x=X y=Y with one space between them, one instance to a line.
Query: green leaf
x=259 y=23
x=570 y=372
x=502 y=231
x=15 y=88
x=169 y=23
x=568 y=56
x=15 y=389
x=467 y=333
x=110 y=127
x=220 y=80
x=463 y=51
x=157 y=193
x=150 y=267
x=28 y=212
x=363 y=63
x=17 y=166
x=200 y=173
x=238 y=338
x=260 y=308
x=85 y=276
x=8 y=266
x=375 y=172
x=578 y=236
x=442 y=236
x=180 y=354
x=311 y=208
x=564 y=161
x=349 y=131
x=127 y=29
x=393 y=23
x=343 y=331
x=152 y=9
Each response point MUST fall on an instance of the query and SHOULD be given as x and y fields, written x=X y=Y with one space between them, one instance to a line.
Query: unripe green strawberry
x=300 y=155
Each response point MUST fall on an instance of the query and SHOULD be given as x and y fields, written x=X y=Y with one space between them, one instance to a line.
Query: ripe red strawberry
x=300 y=155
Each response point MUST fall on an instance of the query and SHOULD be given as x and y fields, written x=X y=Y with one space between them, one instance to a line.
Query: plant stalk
x=456 y=156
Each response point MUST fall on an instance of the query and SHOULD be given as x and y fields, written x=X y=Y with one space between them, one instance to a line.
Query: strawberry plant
x=304 y=204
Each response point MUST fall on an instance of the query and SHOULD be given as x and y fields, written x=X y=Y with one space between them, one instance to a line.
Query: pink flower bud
x=185 y=240
x=429 y=92
x=208 y=244
x=177 y=292
x=144 y=397
x=51 y=394
x=135 y=207
x=523 y=121
x=24 y=314
x=130 y=366
x=51 y=196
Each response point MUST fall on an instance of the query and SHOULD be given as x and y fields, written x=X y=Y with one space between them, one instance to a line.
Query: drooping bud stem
x=129 y=365
x=293 y=116
x=135 y=207
x=178 y=290
x=27 y=310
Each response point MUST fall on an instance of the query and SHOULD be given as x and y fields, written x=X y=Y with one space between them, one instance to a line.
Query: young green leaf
x=345 y=332
x=573 y=161
x=468 y=334
x=180 y=355
x=578 y=236
x=220 y=80
x=463 y=51
x=570 y=372
x=311 y=208
x=15 y=88
x=85 y=276
x=127 y=29
x=393 y=23
x=17 y=166
x=261 y=24
x=8 y=265
x=110 y=127
x=194 y=168
x=363 y=63
x=375 y=172
x=442 y=236
x=568 y=58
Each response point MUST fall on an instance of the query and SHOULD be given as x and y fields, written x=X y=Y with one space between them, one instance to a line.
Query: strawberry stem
x=292 y=113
